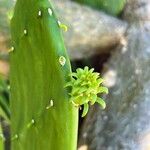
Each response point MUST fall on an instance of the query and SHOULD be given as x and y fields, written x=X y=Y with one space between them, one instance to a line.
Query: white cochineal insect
x=85 y=85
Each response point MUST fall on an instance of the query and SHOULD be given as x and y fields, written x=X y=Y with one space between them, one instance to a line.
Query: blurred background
x=112 y=36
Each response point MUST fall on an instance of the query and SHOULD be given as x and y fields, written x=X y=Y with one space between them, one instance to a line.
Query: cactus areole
x=42 y=118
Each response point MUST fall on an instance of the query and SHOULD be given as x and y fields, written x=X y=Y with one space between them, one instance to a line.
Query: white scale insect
x=50 y=11
x=62 y=60
x=39 y=13
x=25 y=31
x=11 y=49
x=51 y=104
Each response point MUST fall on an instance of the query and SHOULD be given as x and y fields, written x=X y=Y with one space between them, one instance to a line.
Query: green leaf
x=101 y=102
x=93 y=100
x=103 y=89
x=85 y=109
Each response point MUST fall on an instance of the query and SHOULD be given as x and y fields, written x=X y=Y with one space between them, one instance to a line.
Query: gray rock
x=125 y=124
x=90 y=31
x=5 y=5
x=137 y=10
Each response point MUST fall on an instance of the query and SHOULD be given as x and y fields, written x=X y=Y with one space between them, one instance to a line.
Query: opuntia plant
x=41 y=116
x=44 y=105
x=113 y=7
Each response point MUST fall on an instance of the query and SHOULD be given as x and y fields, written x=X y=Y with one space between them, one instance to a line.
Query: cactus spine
x=41 y=115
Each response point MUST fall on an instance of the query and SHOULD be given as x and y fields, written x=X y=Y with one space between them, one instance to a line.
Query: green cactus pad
x=113 y=7
x=42 y=118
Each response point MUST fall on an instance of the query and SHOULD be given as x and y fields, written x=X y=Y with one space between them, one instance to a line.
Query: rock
x=5 y=6
x=83 y=147
x=90 y=31
x=125 y=124
x=137 y=10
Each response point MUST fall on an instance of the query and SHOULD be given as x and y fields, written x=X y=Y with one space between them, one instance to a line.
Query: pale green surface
x=113 y=7
x=36 y=77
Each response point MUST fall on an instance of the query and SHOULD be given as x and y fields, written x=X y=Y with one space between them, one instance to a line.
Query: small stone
x=83 y=147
